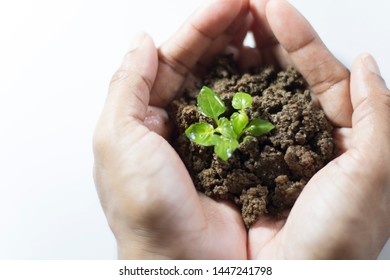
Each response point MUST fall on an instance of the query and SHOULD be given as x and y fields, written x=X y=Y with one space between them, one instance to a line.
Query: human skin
x=147 y=194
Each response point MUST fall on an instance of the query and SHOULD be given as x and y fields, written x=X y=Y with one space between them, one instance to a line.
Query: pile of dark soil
x=266 y=174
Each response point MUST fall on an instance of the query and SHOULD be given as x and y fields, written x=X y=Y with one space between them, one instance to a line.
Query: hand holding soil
x=147 y=193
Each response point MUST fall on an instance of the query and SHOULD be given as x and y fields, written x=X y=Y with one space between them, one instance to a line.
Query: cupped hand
x=344 y=210
x=147 y=194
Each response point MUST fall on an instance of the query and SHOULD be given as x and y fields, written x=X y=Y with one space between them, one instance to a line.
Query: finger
x=157 y=120
x=371 y=104
x=261 y=235
x=239 y=37
x=131 y=84
x=127 y=101
x=264 y=35
x=265 y=39
x=224 y=44
x=234 y=38
x=326 y=76
x=215 y=20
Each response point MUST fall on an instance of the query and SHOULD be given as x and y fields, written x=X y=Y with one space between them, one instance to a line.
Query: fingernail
x=136 y=42
x=371 y=64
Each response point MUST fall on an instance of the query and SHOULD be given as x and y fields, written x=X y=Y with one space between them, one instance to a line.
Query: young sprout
x=226 y=136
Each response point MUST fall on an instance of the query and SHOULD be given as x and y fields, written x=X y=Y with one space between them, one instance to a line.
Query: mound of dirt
x=266 y=174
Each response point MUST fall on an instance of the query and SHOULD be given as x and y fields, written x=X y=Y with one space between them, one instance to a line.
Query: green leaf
x=239 y=122
x=259 y=127
x=241 y=100
x=226 y=129
x=225 y=147
x=201 y=133
x=210 y=104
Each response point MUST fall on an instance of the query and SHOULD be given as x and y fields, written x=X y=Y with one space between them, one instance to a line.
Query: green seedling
x=229 y=132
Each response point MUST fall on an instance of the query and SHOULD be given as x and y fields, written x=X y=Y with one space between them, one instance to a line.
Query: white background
x=56 y=60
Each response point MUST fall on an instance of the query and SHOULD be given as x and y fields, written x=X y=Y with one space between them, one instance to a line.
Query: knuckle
x=321 y=79
x=386 y=101
x=119 y=77
x=176 y=63
x=130 y=78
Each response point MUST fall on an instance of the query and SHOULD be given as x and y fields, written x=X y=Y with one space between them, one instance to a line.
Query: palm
x=196 y=224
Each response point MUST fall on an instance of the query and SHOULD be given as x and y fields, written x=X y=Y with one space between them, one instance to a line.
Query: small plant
x=226 y=136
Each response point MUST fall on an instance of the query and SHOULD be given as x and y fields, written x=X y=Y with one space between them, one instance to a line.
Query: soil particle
x=303 y=161
x=286 y=192
x=254 y=204
x=266 y=174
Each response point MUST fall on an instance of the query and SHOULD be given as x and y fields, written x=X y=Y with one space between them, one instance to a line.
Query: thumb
x=371 y=104
x=128 y=97
x=130 y=86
